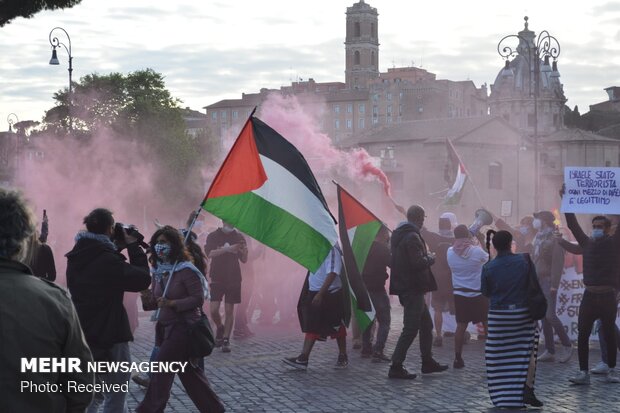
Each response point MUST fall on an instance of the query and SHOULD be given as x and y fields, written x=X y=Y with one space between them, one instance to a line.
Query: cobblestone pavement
x=252 y=378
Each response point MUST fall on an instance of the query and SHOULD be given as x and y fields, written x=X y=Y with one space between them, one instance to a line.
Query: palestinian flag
x=454 y=194
x=358 y=230
x=266 y=189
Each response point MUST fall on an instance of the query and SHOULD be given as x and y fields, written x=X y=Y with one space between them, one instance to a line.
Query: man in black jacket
x=37 y=321
x=411 y=278
x=98 y=276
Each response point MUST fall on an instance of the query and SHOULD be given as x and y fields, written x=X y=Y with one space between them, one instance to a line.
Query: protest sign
x=591 y=190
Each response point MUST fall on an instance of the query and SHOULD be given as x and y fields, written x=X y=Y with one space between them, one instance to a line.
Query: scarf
x=461 y=246
x=104 y=239
x=165 y=268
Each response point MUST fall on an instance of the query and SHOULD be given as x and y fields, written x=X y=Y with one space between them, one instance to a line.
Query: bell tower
x=361 y=45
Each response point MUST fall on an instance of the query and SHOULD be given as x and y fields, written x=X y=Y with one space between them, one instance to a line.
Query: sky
x=211 y=50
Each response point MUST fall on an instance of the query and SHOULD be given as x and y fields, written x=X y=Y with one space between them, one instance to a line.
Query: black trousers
x=594 y=306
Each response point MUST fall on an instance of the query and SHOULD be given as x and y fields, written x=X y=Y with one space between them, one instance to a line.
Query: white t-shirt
x=332 y=263
x=466 y=271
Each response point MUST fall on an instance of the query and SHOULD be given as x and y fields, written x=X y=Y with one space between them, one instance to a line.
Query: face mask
x=537 y=223
x=597 y=233
x=162 y=251
x=524 y=230
x=227 y=230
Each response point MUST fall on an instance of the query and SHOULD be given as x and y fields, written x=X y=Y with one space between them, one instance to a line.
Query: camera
x=118 y=237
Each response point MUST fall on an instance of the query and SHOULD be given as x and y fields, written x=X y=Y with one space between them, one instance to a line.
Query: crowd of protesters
x=451 y=271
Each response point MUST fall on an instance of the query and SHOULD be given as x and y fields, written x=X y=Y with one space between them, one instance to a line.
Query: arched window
x=356 y=58
x=495 y=175
x=357 y=31
x=373 y=58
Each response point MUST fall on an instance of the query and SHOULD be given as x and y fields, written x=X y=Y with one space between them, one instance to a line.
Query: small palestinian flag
x=266 y=189
x=454 y=194
x=358 y=230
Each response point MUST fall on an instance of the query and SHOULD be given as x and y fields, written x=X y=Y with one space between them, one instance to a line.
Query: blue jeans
x=415 y=318
x=113 y=402
x=551 y=321
x=381 y=302
x=603 y=342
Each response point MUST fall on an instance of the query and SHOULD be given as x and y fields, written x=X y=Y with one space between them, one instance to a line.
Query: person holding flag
x=374 y=276
x=321 y=310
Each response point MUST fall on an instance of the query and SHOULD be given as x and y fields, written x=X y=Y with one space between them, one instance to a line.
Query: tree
x=137 y=107
x=12 y=9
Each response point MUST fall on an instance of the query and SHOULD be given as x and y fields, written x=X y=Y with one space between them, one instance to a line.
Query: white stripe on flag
x=284 y=190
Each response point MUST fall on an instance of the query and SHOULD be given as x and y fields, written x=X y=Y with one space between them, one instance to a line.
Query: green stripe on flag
x=364 y=319
x=365 y=235
x=273 y=226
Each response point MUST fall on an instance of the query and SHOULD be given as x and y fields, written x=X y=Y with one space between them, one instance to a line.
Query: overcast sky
x=211 y=50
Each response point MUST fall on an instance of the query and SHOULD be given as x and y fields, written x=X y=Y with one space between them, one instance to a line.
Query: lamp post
x=539 y=49
x=54 y=61
x=12 y=119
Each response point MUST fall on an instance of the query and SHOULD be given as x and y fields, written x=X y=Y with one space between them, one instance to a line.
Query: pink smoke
x=299 y=122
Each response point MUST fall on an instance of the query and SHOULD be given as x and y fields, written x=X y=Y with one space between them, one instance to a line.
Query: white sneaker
x=600 y=368
x=580 y=378
x=546 y=357
x=612 y=376
x=566 y=354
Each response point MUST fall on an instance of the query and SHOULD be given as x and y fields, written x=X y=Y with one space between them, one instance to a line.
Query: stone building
x=368 y=98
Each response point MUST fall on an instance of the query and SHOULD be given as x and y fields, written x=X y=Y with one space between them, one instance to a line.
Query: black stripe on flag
x=275 y=147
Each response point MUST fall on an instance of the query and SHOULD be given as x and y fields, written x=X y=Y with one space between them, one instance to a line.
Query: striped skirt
x=511 y=343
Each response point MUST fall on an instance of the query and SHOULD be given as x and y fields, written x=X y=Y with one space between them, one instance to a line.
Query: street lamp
x=54 y=61
x=539 y=50
x=12 y=119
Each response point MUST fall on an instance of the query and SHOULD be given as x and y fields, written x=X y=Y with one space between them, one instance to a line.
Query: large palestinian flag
x=266 y=189
x=358 y=230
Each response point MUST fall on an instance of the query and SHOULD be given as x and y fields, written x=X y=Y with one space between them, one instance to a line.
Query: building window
x=356 y=58
x=235 y=114
x=375 y=121
x=349 y=107
x=389 y=96
x=400 y=110
x=214 y=115
x=357 y=31
x=375 y=111
x=495 y=175
x=373 y=59
x=389 y=118
x=223 y=115
x=361 y=123
x=337 y=124
x=389 y=110
x=372 y=30
x=375 y=97
x=336 y=108
x=362 y=108
x=349 y=124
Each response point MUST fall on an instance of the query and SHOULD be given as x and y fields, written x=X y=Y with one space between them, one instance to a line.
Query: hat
x=451 y=217
x=461 y=231
x=546 y=216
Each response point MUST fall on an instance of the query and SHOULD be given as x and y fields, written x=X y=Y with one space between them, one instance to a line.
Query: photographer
x=98 y=276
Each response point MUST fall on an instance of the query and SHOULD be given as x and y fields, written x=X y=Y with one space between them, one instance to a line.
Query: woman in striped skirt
x=512 y=341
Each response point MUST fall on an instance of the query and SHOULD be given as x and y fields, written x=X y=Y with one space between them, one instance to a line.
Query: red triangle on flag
x=242 y=170
x=354 y=213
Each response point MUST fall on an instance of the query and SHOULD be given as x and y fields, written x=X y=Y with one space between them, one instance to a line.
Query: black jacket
x=600 y=256
x=97 y=278
x=37 y=319
x=411 y=271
